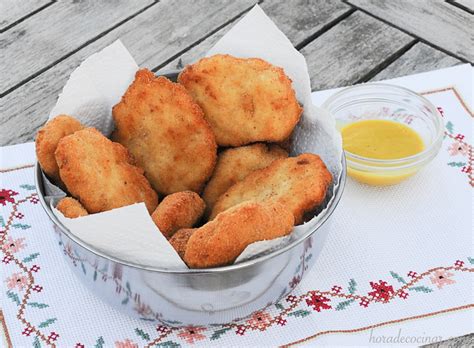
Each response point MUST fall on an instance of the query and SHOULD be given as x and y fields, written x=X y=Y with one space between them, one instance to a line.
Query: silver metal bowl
x=196 y=296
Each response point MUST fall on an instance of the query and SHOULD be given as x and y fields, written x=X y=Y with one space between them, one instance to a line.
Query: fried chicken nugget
x=299 y=183
x=180 y=239
x=234 y=164
x=178 y=210
x=244 y=100
x=71 y=208
x=165 y=130
x=47 y=140
x=101 y=173
x=221 y=241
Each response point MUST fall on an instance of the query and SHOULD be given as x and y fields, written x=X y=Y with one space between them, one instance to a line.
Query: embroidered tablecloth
x=397 y=267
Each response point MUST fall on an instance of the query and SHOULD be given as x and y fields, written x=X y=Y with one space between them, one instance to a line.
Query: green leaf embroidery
x=218 y=333
x=31 y=257
x=83 y=268
x=342 y=305
x=471 y=260
x=36 y=342
x=279 y=306
x=300 y=313
x=28 y=187
x=352 y=286
x=2 y=222
x=450 y=127
x=168 y=344
x=99 y=343
x=47 y=322
x=95 y=275
x=397 y=277
x=456 y=164
x=125 y=301
x=37 y=304
x=142 y=334
x=14 y=297
x=127 y=285
x=421 y=289
x=22 y=226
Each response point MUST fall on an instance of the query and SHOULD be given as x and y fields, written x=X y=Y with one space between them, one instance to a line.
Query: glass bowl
x=379 y=101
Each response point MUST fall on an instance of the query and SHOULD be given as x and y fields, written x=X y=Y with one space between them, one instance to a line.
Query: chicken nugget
x=47 y=140
x=180 y=239
x=165 y=130
x=178 y=210
x=221 y=241
x=71 y=208
x=299 y=183
x=234 y=164
x=100 y=173
x=244 y=100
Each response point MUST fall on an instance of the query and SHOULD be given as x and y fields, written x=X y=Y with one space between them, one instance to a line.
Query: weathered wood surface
x=438 y=22
x=467 y=5
x=298 y=25
x=153 y=37
x=32 y=46
x=12 y=11
x=351 y=50
x=419 y=58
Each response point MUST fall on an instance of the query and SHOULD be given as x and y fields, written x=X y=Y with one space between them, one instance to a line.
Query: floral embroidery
x=126 y=344
x=17 y=280
x=441 y=278
x=382 y=291
x=14 y=245
x=458 y=148
x=192 y=334
x=318 y=302
x=7 y=196
x=259 y=320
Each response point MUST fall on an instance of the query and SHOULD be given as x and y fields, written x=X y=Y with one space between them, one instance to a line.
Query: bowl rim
x=333 y=202
x=404 y=162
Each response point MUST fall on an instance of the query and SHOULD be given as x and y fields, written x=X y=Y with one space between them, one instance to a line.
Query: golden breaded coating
x=244 y=100
x=178 y=210
x=180 y=239
x=47 y=140
x=165 y=130
x=100 y=173
x=71 y=208
x=299 y=183
x=234 y=164
x=221 y=241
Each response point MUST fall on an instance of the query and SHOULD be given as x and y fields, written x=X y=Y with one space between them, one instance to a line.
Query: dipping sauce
x=381 y=140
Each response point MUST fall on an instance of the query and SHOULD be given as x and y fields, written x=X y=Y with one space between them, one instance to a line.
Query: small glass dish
x=379 y=101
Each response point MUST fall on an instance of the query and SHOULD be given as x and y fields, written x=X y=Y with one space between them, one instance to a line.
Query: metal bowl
x=195 y=296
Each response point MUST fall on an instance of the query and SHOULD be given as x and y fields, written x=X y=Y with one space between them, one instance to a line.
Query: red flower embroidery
x=337 y=289
x=382 y=291
x=318 y=302
x=412 y=274
x=364 y=302
x=53 y=336
x=7 y=196
x=192 y=334
x=403 y=294
x=240 y=330
x=17 y=280
x=259 y=320
x=459 y=263
x=27 y=331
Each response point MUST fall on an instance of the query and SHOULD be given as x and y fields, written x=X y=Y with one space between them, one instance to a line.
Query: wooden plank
x=350 y=50
x=419 y=58
x=55 y=32
x=13 y=10
x=297 y=19
x=436 y=22
x=153 y=37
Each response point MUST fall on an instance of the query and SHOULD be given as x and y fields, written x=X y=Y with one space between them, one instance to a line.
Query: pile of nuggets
x=213 y=147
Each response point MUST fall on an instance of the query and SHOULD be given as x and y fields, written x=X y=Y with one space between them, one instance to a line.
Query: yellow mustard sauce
x=382 y=140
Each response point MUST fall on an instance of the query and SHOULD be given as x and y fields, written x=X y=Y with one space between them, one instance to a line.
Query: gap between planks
x=464 y=60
